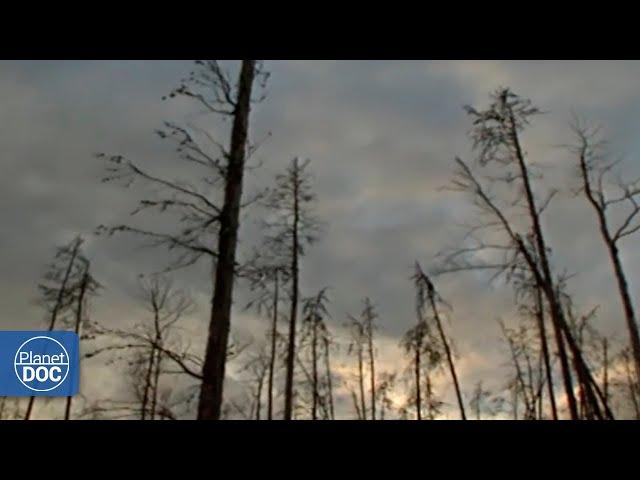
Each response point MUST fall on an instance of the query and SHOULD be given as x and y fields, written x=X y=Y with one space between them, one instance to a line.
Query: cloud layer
x=381 y=137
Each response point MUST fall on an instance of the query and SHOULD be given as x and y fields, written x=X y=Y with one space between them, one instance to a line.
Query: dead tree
x=424 y=352
x=413 y=343
x=152 y=348
x=258 y=367
x=314 y=334
x=59 y=287
x=327 y=343
x=427 y=297
x=206 y=229
x=266 y=277
x=528 y=381
x=357 y=346
x=593 y=171
x=530 y=298
x=369 y=315
x=496 y=136
x=292 y=230
x=87 y=288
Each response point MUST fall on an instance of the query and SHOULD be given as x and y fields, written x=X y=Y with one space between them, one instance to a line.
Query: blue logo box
x=39 y=364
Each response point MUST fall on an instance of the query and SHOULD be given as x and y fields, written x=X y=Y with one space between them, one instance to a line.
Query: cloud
x=381 y=137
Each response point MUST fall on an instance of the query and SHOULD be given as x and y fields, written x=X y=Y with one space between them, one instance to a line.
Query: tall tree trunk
x=259 y=395
x=213 y=370
x=605 y=368
x=363 y=406
x=328 y=374
x=447 y=351
x=83 y=290
x=545 y=352
x=56 y=310
x=314 y=370
x=149 y=373
x=418 y=393
x=156 y=383
x=629 y=313
x=554 y=305
x=372 y=369
x=291 y=348
x=147 y=383
x=272 y=358
x=614 y=255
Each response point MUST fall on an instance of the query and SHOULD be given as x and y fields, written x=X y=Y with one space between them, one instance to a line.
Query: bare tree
x=208 y=229
x=527 y=380
x=59 y=287
x=593 y=171
x=427 y=297
x=328 y=344
x=291 y=230
x=266 y=280
x=369 y=315
x=258 y=367
x=413 y=344
x=314 y=334
x=496 y=136
x=153 y=348
x=357 y=346
x=88 y=287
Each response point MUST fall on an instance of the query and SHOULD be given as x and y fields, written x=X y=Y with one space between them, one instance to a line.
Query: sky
x=382 y=137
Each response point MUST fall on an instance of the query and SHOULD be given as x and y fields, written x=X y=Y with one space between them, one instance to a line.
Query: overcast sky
x=381 y=136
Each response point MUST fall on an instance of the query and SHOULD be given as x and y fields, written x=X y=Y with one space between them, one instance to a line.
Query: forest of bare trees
x=309 y=360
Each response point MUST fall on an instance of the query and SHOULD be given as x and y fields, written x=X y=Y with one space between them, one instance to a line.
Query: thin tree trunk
x=272 y=359
x=418 y=393
x=447 y=351
x=156 y=382
x=545 y=353
x=147 y=383
x=83 y=290
x=363 y=406
x=540 y=387
x=329 y=380
x=520 y=383
x=605 y=361
x=584 y=376
x=56 y=310
x=542 y=255
x=372 y=369
x=614 y=255
x=213 y=370
x=259 y=395
x=314 y=370
x=632 y=326
x=149 y=373
x=291 y=348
